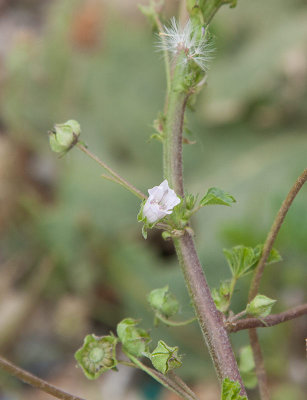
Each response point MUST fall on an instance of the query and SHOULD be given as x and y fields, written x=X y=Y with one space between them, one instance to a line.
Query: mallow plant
x=187 y=48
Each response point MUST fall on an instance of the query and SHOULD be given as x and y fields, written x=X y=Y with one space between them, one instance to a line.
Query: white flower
x=160 y=202
x=195 y=45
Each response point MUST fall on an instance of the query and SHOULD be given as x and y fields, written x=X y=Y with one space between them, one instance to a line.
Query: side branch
x=33 y=380
x=273 y=233
x=271 y=320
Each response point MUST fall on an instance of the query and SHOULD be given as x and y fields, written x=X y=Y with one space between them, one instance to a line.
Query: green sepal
x=190 y=201
x=231 y=390
x=144 y=231
x=134 y=340
x=260 y=306
x=163 y=301
x=97 y=355
x=217 y=196
x=165 y=358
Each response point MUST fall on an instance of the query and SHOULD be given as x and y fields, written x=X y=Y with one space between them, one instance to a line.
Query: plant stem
x=210 y=319
x=172 y=144
x=259 y=363
x=118 y=178
x=270 y=320
x=35 y=381
x=274 y=232
x=174 y=386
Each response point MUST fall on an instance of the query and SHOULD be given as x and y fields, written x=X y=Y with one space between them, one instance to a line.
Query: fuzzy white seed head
x=196 y=46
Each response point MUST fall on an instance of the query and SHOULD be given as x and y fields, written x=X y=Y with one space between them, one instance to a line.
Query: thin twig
x=274 y=232
x=270 y=320
x=259 y=365
x=121 y=180
x=175 y=386
x=254 y=341
x=35 y=381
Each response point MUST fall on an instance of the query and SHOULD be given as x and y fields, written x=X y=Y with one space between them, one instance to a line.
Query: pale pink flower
x=160 y=202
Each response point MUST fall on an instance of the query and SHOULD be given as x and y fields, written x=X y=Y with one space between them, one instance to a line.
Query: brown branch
x=274 y=232
x=271 y=320
x=260 y=371
x=259 y=365
x=33 y=380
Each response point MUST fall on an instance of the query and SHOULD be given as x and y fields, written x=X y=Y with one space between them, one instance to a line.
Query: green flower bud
x=165 y=358
x=97 y=355
x=221 y=296
x=163 y=301
x=64 y=136
x=134 y=340
x=260 y=306
x=190 y=201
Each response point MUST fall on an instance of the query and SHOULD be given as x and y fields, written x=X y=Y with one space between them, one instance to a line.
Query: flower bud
x=97 y=355
x=163 y=301
x=134 y=339
x=260 y=306
x=64 y=136
x=165 y=358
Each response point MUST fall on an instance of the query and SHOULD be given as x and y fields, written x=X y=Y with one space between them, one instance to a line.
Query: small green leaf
x=163 y=301
x=274 y=255
x=165 y=358
x=97 y=355
x=231 y=390
x=217 y=196
x=260 y=306
x=134 y=340
x=240 y=259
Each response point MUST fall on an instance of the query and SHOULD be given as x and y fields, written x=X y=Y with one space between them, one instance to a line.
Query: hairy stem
x=270 y=320
x=260 y=371
x=259 y=364
x=274 y=232
x=210 y=319
x=35 y=381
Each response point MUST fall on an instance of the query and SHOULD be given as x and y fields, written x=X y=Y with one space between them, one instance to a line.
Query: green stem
x=180 y=390
x=117 y=178
x=175 y=323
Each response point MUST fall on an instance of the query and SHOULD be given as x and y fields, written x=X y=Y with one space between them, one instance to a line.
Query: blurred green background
x=72 y=258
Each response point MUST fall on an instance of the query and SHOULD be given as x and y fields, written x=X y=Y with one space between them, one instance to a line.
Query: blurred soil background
x=72 y=258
